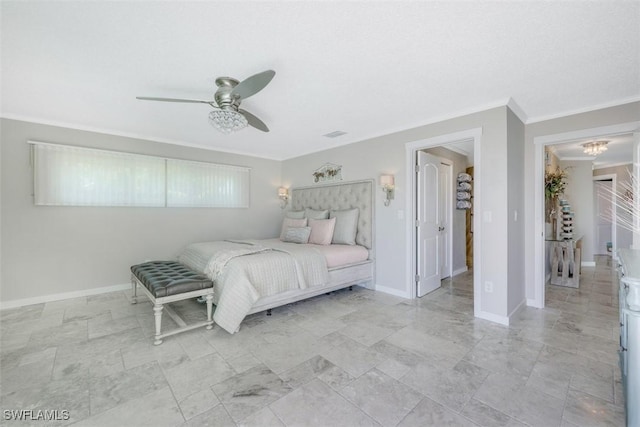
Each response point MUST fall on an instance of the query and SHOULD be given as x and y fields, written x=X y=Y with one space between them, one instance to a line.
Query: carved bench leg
x=157 y=312
x=209 y=300
x=134 y=291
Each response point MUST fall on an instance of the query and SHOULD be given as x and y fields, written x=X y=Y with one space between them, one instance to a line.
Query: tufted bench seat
x=169 y=281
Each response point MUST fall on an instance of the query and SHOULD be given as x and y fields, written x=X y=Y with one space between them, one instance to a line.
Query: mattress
x=341 y=255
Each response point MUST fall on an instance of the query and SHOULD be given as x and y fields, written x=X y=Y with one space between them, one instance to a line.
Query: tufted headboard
x=338 y=196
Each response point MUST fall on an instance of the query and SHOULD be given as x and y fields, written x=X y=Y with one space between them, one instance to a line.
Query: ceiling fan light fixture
x=227 y=121
x=595 y=147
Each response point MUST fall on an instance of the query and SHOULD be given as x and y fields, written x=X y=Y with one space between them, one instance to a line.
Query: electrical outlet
x=488 y=287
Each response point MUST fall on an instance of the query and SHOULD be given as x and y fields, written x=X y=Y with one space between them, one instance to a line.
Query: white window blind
x=198 y=184
x=76 y=176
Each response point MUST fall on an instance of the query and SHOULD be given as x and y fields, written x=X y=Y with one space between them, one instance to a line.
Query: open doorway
x=570 y=148
x=605 y=229
x=446 y=157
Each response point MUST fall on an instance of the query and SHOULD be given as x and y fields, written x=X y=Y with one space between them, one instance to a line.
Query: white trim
x=533 y=303
x=410 y=205
x=576 y=135
x=133 y=135
x=450 y=201
x=503 y=320
x=444 y=117
x=611 y=165
x=517 y=110
x=588 y=264
x=460 y=271
x=392 y=291
x=61 y=296
x=520 y=306
x=584 y=110
x=538 y=179
x=459 y=151
x=577 y=159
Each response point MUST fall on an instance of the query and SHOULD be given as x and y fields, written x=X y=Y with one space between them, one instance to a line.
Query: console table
x=565 y=261
x=629 y=274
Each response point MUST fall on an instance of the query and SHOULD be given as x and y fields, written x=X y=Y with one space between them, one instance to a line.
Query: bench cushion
x=166 y=278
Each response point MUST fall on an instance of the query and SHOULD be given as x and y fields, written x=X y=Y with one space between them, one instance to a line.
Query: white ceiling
x=619 y=151
x=366 y=68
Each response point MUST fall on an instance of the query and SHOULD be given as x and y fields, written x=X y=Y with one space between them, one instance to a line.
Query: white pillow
x=291 y=222
x=297 y=234
x=313 y=214
x=346 y=226
x=294 y=214
x=321 y=231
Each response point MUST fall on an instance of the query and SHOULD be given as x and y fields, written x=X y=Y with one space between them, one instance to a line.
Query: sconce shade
x=386 y=180
x=283 y=192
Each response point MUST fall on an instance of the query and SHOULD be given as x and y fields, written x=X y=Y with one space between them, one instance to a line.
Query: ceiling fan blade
x=254 y=121
x=253 y=84
x=198 y=101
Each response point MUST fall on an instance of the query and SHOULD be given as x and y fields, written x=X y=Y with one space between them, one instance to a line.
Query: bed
x=256 y=275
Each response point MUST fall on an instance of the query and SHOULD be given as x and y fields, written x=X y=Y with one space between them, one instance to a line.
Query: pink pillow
x=321 y=231
x=293 y=223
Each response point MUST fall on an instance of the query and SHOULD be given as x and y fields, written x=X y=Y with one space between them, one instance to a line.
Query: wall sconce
x=283 y=194
x=387 y=183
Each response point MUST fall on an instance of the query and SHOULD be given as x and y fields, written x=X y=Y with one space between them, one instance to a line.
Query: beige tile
x=316 y=404
x=157 y=408
x=431 y=414
x=383 y=398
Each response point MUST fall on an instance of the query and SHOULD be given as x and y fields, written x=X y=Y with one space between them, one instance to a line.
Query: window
x=198 y=184
x=76 y=176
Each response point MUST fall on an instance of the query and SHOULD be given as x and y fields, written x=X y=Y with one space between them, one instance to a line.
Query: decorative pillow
x=321 y=231
x=311 y=214
x=295 y=214
x=290 y=222
x=346 y=226
x=297 y=234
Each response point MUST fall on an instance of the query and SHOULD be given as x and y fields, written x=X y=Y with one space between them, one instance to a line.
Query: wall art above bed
x=328 y=172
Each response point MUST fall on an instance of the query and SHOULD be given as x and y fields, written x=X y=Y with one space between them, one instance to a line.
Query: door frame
x=614 y=229
x=410 y=158
x=449 y=202
x=539 y=143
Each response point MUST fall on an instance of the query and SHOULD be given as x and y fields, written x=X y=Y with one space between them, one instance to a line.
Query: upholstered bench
x=170 y=281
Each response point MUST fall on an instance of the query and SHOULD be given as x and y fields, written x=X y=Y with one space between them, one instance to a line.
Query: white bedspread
x=247 y=270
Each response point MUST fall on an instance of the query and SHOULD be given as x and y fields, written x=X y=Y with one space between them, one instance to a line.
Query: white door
x=427 y=224
x=445 y=218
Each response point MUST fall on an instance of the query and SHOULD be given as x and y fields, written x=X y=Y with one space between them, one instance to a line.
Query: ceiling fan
x=227 y=116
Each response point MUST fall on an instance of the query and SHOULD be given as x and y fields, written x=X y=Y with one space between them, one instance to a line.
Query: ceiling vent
x=335 y=134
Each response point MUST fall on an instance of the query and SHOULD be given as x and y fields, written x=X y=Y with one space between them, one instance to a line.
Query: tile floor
x=349 y=358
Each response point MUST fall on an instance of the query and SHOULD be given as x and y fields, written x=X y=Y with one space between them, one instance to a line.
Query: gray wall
x=604 y=117
x=459 y=224
x=624 y=237
x=516 y=212
x=50 y=250
x=386 y=155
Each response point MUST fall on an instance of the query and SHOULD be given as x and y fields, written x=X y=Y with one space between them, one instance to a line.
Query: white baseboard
x=392 y=291
x=65 y=295
x=520 y=306
x=503 y=320
x=535 y=303
x=588 y=263
x=460 y=271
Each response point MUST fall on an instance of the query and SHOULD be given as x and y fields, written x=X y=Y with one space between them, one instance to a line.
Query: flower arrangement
x=554 y=183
